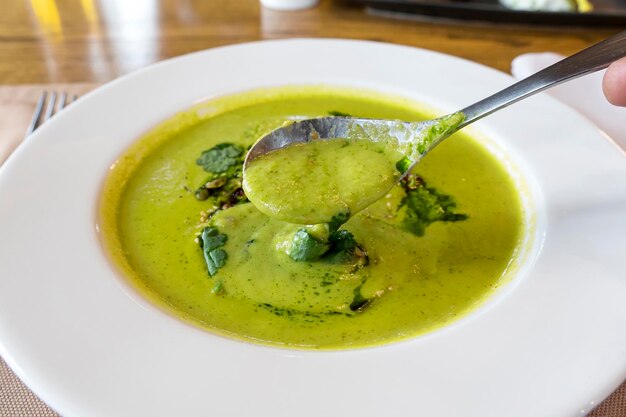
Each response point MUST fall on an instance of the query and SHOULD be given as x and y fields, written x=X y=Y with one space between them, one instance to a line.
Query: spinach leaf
x=220 y=157
x=210 y=240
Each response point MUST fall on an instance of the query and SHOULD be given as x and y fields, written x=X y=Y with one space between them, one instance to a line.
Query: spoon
x=416 y=139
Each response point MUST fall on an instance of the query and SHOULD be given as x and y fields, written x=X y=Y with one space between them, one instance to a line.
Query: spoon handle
x=588 y=60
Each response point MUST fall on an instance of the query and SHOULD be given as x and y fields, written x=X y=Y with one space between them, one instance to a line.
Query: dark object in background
x=604 y=13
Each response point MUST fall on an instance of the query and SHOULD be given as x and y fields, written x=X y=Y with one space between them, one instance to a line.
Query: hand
x=614 y=83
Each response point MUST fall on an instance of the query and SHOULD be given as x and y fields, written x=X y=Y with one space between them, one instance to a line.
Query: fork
x=54 y=105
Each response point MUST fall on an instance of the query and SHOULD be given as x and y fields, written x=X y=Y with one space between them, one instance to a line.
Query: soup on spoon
x=312 y=183
x=321 y=179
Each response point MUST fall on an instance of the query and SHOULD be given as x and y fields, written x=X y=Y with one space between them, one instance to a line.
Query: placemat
x=17 y=104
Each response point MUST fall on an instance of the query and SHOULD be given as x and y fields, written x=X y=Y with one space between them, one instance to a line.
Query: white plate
x=554 y=344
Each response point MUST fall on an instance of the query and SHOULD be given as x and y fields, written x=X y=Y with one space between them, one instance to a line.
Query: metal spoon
x=418 y=138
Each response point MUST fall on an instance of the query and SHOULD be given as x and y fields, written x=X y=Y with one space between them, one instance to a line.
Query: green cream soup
x=176 y=221
x=321 y=179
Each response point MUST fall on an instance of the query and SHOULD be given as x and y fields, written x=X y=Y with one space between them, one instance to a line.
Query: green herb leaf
x=338 y=114
x=444 y=126
x=220 y=157
x=339 y=247
x=222 y=189
x=337 y=220
x=359 y=303
x=218 y=257
x=403 y=165
x=211 y=240
x=218 y=288
x=305 y=247
x=344 y=249
x=425 y=205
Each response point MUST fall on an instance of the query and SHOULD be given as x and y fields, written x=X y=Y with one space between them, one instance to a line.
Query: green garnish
x=344 y=249
x=305 y=247
x=223 y=187
x=444 y=126
x=337 y=220
x=210 y=240
x=218 y=288
x=337 y=247
x=426 y=205
x=359 y=302
x=220 y=157
x=403 y=165
x=302 y=314
x=338 y=114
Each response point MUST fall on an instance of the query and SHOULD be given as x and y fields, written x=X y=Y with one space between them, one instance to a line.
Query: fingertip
x=614 y=83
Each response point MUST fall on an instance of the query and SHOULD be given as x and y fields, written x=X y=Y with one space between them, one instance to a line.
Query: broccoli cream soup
x=322 y=179
x=175 y=219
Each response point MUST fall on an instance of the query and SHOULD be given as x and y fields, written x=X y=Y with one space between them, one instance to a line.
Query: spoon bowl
x=406 y=136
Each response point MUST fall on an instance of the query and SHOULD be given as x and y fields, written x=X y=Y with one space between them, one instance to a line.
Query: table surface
x=44 y=41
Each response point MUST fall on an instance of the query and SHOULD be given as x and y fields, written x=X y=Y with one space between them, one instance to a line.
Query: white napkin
x=583 y=95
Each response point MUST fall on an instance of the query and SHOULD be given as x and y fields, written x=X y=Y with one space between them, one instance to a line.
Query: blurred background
x=44 y=41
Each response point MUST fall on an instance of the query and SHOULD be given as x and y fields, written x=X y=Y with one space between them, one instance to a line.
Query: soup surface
x=175 y=220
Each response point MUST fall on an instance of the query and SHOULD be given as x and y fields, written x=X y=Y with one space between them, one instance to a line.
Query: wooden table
x=44 y=41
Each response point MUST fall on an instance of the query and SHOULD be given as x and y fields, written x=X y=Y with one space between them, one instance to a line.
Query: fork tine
x=50 y=107
x=62 y=101
x=34 y=122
